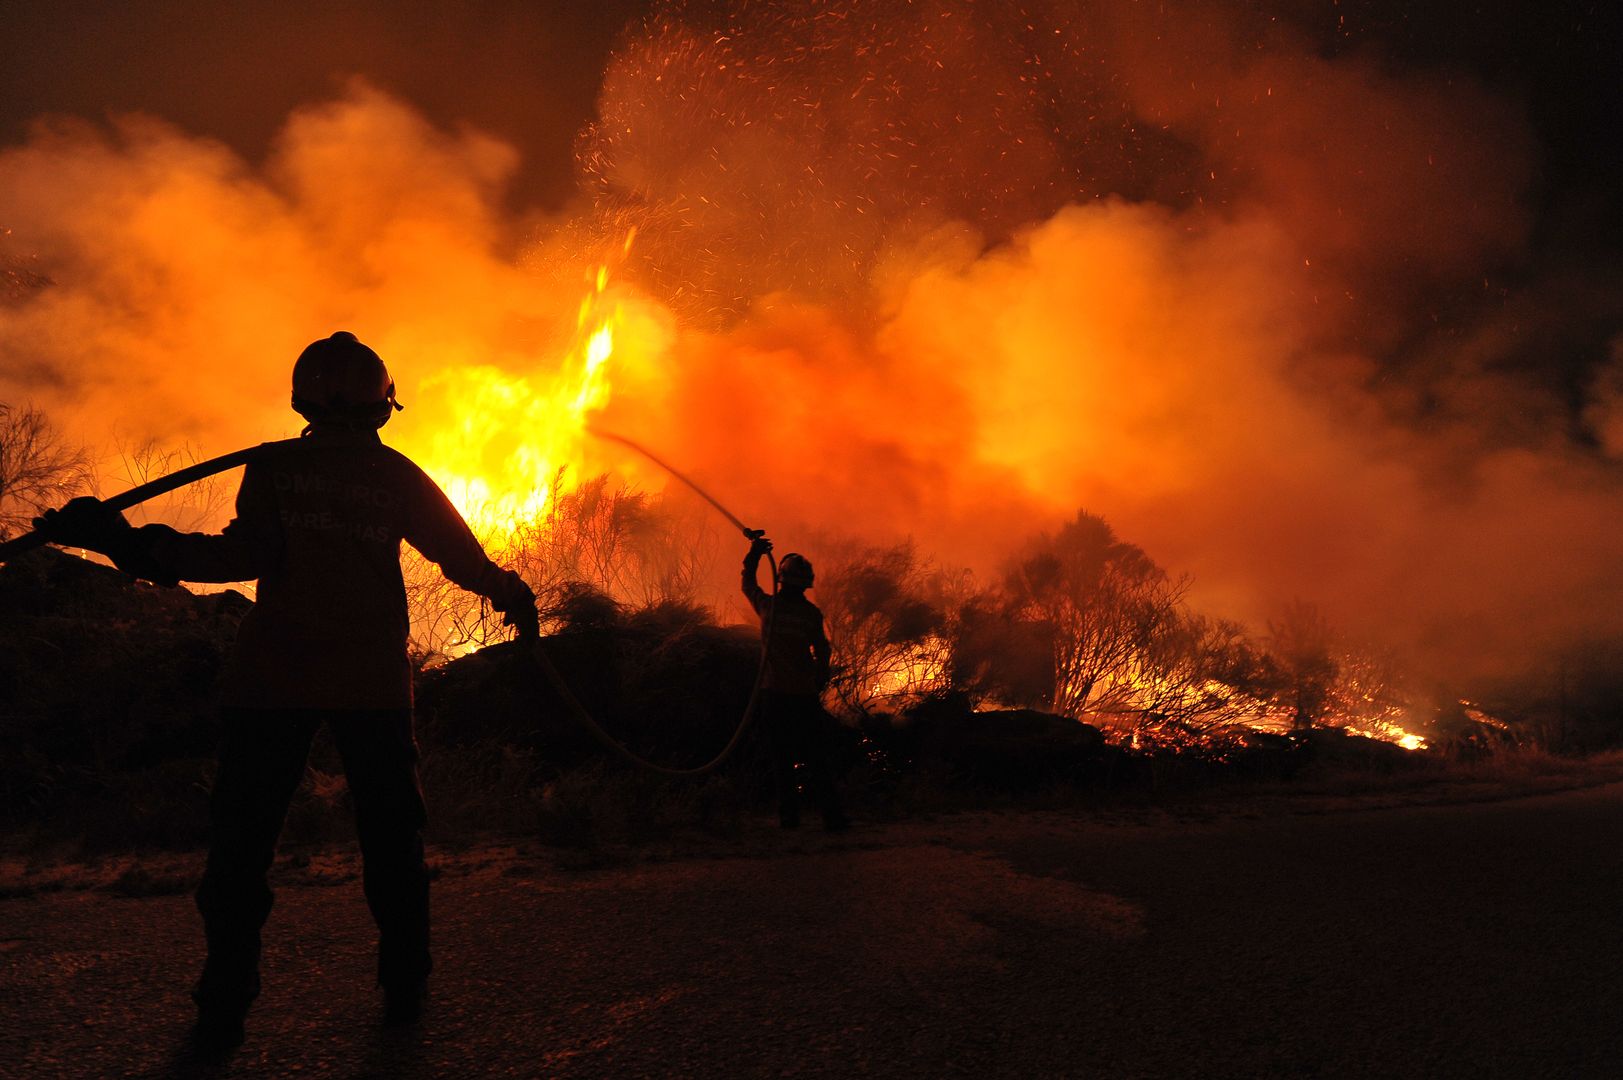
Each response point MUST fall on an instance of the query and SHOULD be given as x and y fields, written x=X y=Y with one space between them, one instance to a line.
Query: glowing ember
x=1387 y=732
x=916 y=671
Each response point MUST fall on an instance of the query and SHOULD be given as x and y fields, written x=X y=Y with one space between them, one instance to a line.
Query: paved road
x=1471 y=940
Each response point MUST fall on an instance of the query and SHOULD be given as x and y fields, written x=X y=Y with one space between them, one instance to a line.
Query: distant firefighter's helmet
x=339 y=379
x=795 y=569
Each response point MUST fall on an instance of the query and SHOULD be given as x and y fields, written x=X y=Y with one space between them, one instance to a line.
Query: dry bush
x=38 y=469
x=1197 y=675
x=1109 y=607
x=1082 y=624
x=1320 y=678
x=1369 y=692
x=197 y=507
x=602 y=539
x=889 y=618
x=1301 y=643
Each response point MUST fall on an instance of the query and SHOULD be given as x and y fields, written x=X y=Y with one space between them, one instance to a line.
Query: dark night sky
x=1559 y=58
x=529 y=72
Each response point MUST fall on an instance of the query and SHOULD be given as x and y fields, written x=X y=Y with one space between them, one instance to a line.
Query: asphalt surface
x=1478 y=940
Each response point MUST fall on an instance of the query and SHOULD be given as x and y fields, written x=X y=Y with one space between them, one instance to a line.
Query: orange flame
x=508 y=440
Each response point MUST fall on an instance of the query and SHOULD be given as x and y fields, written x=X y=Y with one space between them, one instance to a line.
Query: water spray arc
x=749 y=533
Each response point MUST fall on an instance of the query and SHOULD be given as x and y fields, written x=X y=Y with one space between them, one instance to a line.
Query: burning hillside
x=941 y=271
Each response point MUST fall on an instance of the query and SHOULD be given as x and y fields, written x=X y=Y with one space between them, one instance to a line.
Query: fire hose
x=28 y=541
x=584 y=717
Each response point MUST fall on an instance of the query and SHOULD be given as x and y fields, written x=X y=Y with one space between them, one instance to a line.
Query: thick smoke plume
x=978 y=270
x=941 y=270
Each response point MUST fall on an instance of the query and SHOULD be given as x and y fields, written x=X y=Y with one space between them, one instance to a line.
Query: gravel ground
x=1478 y=940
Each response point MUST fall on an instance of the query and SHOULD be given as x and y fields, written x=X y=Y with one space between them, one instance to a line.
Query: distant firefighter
x=798 y=731
x=319 y=527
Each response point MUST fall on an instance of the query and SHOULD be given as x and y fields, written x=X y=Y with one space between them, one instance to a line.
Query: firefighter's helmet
x=339 y=379
x=796 y=570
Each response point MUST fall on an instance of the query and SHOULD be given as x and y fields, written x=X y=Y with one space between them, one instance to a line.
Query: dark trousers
x=262 y=760
x=800 y=733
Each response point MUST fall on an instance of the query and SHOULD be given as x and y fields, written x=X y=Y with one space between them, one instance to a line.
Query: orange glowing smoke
x=898 y=274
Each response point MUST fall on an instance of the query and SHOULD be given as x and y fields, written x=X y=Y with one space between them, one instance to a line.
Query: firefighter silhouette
x=799 y=733
x=319 y=527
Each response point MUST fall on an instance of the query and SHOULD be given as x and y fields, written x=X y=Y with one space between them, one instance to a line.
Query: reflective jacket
x=319 y=526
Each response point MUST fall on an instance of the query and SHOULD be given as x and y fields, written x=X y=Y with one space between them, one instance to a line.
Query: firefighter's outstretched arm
x=753 y=592
x=156 y=552
x=164 y=555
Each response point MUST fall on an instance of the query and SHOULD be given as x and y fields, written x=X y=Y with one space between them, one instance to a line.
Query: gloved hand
x=516 y=602
x=759 y=546
x=524 y=620
x=86 y=522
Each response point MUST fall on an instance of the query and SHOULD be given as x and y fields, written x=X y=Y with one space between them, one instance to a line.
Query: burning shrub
x=1300 y=644
x=1196 y=675
x=887 y=616
x=592 y=549
x=623 y=541
x=1110 y=609
x=1316 y=677
x=1086 y=625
